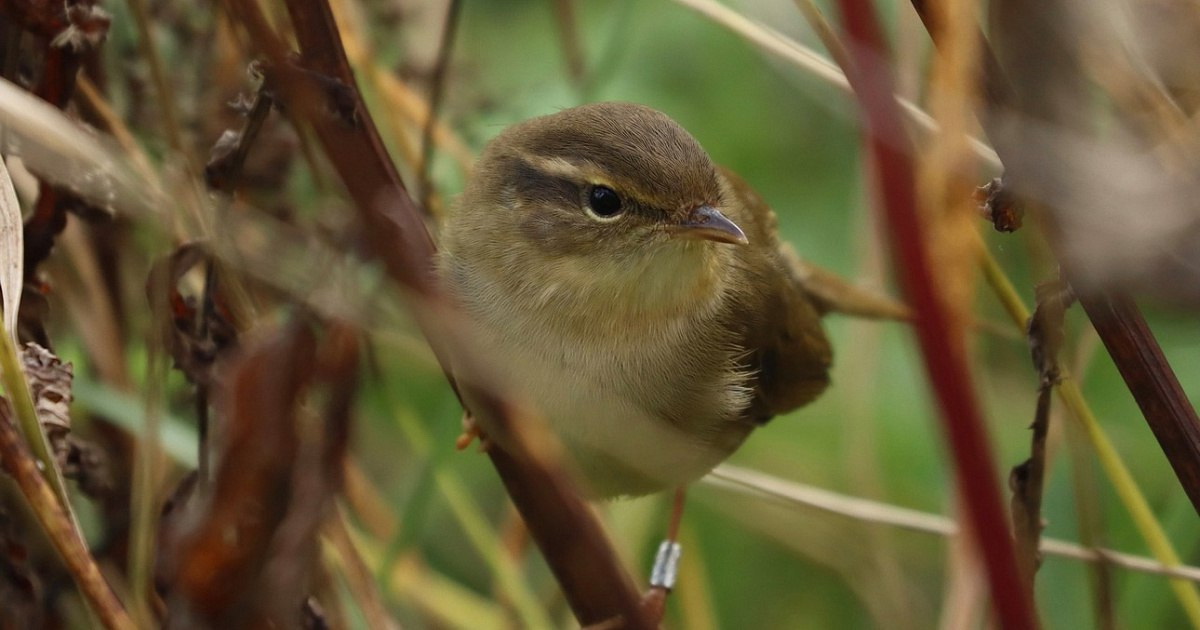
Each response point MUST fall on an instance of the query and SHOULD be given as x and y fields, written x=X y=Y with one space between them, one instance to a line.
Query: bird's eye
x=604 y=202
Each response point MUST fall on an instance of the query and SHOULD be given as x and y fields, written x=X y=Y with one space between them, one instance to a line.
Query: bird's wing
x=787 y=348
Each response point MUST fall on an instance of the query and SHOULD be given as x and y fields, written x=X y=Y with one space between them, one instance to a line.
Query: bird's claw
x=470 y=432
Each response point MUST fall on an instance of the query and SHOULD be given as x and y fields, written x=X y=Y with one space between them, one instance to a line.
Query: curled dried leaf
x=50 y=380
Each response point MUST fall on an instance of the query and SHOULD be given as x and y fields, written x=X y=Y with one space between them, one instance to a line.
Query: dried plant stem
x=114 y=125
x=147 y=470
x=359 y=581
x=1087 y=490
x=812 y=14
x=58 y=525
x=568 y=34
x=1027 y=481
x=1118 y=474
x=1127 y=489
x=224 y=169
x=437 y=88
x=477 y=533
x=806 y=59
x=1086 y=486
x=444 y=601
x=790 y=493
x=1152 y=382
x=149 y=51
x=1028 y=478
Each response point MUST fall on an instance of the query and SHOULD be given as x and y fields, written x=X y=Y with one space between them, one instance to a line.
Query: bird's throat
x=678 y=282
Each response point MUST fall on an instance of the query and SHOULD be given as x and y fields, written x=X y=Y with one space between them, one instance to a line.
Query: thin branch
x=1028 y=478
x=437 y=89
x=1153 y=383
x=228 y=156
x=1026 y=482
x=1118 y=473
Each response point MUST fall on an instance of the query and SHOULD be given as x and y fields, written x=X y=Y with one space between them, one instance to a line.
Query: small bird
x=632 y=291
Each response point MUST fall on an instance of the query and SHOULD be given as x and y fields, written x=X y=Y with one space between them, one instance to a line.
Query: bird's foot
x=470 y=432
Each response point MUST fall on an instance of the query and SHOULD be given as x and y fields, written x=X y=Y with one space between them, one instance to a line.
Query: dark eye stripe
x=535 y=186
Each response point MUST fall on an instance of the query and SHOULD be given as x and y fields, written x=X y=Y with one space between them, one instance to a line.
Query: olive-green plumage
x=654 y=337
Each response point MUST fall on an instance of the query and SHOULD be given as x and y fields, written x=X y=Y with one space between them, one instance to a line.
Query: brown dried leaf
x=212 y=562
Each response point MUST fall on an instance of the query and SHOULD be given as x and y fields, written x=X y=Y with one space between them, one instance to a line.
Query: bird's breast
x=637 y=413
x=640 y=407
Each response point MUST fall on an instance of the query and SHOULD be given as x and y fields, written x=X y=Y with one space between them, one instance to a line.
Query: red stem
x=943 y=352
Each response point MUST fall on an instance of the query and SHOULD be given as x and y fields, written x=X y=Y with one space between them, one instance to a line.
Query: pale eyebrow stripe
x=560 y=167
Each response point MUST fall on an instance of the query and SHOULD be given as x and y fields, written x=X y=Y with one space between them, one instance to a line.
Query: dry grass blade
x=60 y=151
x=12 y=251
x=806 y=59
x=790 y=493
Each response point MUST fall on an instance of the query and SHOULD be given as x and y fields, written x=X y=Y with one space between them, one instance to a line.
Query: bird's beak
x=707 y=223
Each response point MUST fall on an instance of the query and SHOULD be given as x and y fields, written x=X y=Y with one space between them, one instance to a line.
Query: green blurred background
x=748 y=562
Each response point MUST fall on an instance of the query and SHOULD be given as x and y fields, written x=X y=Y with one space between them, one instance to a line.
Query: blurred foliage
x=748 y=563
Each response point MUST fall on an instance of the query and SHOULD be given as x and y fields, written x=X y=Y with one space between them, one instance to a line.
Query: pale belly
x=591 y=400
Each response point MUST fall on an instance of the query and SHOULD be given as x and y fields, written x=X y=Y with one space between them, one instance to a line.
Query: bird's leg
x=662 y=574
x=666 y=563
x=471 y=431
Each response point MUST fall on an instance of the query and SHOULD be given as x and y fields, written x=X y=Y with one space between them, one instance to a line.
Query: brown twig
x=996 y=88
x=228 y=156
x=571 y=540
x=1152 y=382
x=19 y=464
x=1028 y=478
